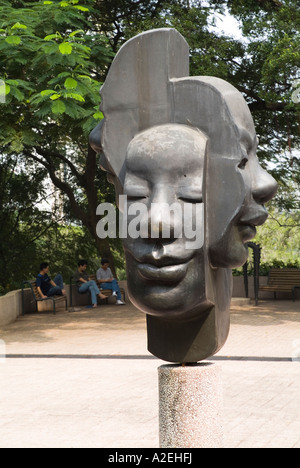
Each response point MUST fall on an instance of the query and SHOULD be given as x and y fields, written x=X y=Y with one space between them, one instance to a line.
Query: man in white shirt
x=107 y=281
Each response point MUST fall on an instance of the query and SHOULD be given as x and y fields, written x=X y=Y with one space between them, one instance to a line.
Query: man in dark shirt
x=46 y=287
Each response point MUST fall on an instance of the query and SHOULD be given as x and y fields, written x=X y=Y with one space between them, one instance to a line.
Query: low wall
x=11 y=303
x=10 y=307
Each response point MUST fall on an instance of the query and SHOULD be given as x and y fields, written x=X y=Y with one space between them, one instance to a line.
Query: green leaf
x=12 y=82
x=14 y=40
x=18 y=94
x=19 y=26
x=51 y=36
x=65 y=48
x=70 y=83
x=81 y=8
x=75 y=96
x=50 y=48
x=47 y=92
x=48 y=3
x=98 y=115
x=79 y=31
x=58 y=107
x=74 y=110
x=61 y=75
x=54 y=97
x=86 y=77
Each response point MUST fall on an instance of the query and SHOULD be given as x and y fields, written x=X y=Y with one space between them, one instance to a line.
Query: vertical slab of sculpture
x=187 y=143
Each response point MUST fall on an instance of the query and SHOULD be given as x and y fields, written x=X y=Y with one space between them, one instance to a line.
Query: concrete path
x=85 y=379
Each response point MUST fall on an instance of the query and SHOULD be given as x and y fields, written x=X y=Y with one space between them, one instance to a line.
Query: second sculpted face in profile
x=183 y=151
x=246 y=181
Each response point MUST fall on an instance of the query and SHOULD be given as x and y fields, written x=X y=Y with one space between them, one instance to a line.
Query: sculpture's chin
x=231 y=251
x=163 y=305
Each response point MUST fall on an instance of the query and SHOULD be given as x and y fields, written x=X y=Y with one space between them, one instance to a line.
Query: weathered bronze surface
x=169 y=138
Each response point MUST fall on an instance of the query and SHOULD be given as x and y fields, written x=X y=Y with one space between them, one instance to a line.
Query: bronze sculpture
x=188 y=143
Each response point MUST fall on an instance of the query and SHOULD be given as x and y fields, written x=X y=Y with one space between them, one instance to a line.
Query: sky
x=228 y=24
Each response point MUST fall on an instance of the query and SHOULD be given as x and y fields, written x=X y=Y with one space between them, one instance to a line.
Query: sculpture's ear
x=135 y=95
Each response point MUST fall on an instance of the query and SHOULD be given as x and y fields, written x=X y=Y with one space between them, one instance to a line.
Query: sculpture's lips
x=247 y=224
x=165 y=259
x=256 y=218
x=169 y=274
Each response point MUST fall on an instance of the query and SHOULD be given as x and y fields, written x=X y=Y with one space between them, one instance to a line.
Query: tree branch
x=49 y=154
x=63 y=186
x=283 y=225
x=259 y=103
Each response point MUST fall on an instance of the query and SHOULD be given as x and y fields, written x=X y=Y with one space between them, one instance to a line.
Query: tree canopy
x=54 y=56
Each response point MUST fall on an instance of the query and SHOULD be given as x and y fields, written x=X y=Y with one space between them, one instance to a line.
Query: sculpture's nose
x=161 y=222
x=164 y=217
x=264 y=186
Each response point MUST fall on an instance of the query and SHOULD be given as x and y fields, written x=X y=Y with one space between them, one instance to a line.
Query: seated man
x=84 y=283
x=46 y=287
x=106 y=280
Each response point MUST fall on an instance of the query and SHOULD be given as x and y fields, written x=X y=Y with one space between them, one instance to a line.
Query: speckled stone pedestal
x=190 y=406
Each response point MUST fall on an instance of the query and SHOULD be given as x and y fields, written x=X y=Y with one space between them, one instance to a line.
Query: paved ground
x=85 y=379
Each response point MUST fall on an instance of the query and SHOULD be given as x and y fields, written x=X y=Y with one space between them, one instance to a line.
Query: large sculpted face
x=165 y=168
